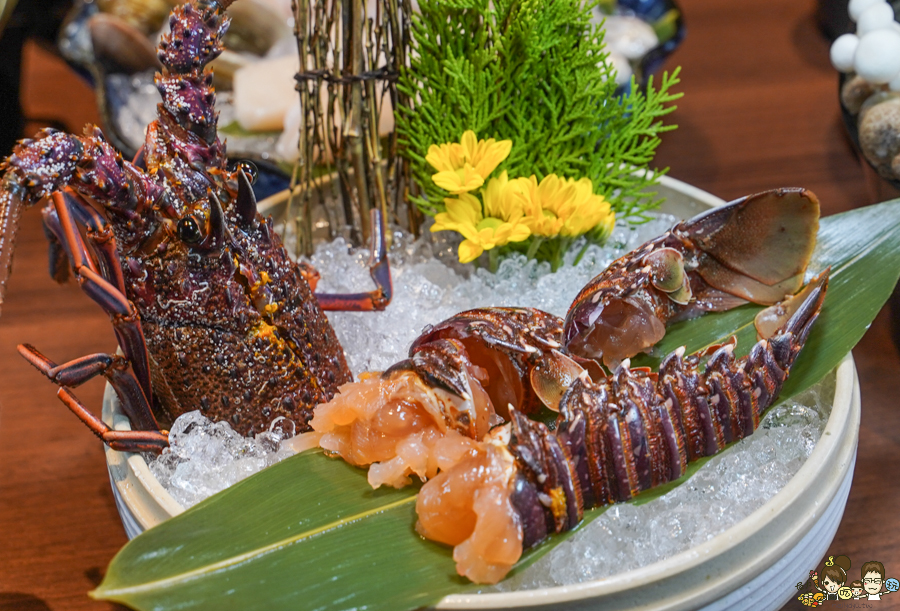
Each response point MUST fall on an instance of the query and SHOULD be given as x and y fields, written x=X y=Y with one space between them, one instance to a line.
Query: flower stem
x=581 y=254
x=493 y=260
x=562 y=245
x=533 y=247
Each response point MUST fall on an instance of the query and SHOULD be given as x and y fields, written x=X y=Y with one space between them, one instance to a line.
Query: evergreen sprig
x=534 y=72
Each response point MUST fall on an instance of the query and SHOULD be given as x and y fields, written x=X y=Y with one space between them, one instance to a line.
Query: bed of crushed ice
x=430 y=286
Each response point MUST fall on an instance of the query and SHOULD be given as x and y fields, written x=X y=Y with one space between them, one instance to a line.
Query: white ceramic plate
x=752 y=565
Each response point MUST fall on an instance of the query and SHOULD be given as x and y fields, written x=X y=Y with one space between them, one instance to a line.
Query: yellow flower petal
x=446 y=157
x=488 y=238
x=464 y=209
x=589 y=211
x=468 y=142
x=489 y=154
x=520 y=232
x=503 y=198
x=469 y=251
x=459 y=181
x=443 y=222
x=462 y=215
x=483 y=155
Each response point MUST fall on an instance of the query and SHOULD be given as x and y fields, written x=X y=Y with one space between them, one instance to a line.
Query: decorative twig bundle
x=351 y=54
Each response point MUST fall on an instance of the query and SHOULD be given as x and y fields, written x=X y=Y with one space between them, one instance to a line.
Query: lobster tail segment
x=787 y=324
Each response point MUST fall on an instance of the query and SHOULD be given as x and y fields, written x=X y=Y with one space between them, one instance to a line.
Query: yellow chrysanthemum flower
x=446 y=157
x=503 y=198
x=464 y=166
x=564 y=207
x=459 y=181
x=484 y=155
x=503 y=224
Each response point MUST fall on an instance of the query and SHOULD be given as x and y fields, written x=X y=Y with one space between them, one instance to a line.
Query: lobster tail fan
x=798 y=313
x=757 y=247
x=792 y=314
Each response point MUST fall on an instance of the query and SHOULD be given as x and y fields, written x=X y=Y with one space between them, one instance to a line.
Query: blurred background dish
x=112 y=43
x=640 y=35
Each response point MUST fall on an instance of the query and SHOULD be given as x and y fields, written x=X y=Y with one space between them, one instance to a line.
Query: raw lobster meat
x=455 y=413
x=208 y=308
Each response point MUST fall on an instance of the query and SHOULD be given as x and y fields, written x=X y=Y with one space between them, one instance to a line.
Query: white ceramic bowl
x=752 y=565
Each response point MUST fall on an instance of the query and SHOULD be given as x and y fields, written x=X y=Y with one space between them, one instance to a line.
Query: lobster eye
x=188 y=230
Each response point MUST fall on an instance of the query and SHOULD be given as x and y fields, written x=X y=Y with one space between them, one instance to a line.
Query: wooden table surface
x=760 y=111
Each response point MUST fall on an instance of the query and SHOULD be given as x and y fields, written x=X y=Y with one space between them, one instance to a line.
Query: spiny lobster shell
x=209 y=309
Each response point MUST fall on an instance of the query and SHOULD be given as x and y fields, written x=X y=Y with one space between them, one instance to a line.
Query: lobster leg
x=58 y=257
x=122 y=312
x=101 y=258
x=133 y=389
x=113 y=367
x=379 y=269
x=100 y=236
x=381 y=275
x=122 y=441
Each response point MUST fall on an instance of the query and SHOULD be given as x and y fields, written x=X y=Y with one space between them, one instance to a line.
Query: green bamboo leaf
x=309 y=533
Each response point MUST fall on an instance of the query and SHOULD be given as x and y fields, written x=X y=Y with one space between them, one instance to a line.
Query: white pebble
x=842 y=51
x=876 y=17
x=894 y=85
x=878 y=56
x=856 y=7
x=622 y=66
x=630 y=36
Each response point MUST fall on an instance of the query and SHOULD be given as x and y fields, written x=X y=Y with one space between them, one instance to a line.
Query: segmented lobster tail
x=637 y=429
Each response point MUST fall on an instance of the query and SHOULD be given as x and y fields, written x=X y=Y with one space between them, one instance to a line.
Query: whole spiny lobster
x=456 y=412
x=208 y=309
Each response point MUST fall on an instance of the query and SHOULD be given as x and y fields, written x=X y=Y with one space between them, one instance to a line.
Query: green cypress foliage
x=535 y=72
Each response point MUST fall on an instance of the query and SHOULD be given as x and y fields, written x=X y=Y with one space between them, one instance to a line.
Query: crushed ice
x=206 y=457
x=429 y=286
